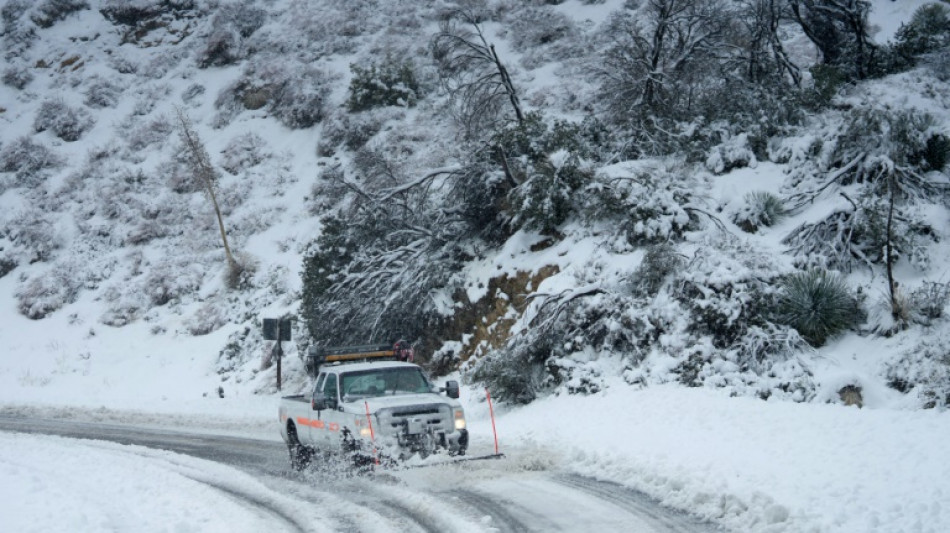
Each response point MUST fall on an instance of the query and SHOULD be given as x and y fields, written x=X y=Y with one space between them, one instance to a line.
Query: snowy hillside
x=601 y=265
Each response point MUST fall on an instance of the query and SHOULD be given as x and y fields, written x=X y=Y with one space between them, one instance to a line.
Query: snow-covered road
x=149 y=479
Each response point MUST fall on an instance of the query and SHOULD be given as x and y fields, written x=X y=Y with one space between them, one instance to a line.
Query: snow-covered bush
x=206 y=319
x=18 y=35
x=231 y=25
x=819 y=304
x=66 y=122
x=49 y=291
x=17 y=76
x=102 y=93
x=880 y=156
x=137 y=13
x=171 y=280
x=734 y=153
x=390 y=83
x=151 y=132
x=927 y=31
x=727 y=289
x=923 y=371
x=929 y=301
x=178 y=174
x=351 y=131
x=650 y=204
x=547 y=197
x=34 y=236
x=50 y=12
x=759 y=209
x=193 y=91
x=28 y=160
x=223 y=47
x=535 y=27
x=294 y=93
x=243 y=152
x=659 y=263
x=516 y=376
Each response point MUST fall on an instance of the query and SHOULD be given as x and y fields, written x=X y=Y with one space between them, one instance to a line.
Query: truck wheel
x=300 y=455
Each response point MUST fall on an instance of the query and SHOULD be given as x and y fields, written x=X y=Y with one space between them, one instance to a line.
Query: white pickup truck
x=367 y=410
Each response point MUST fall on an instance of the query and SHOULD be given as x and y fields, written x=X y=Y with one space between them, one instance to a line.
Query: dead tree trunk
x=201 y=166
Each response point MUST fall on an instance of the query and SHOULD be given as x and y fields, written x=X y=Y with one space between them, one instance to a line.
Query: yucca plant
x=818 y=304
x=761 y=209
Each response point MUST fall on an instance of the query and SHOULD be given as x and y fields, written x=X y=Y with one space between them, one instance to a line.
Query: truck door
x=313 y=432
x=329 y=429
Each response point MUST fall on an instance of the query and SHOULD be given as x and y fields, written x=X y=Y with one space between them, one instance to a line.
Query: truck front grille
x=436 y=417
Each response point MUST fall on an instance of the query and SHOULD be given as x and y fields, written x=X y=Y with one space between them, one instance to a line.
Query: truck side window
x=319 y=385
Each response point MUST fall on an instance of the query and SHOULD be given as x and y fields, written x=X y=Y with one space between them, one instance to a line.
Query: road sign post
x=277 y=329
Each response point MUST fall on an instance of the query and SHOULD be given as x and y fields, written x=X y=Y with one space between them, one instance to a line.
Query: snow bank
x=748 y=464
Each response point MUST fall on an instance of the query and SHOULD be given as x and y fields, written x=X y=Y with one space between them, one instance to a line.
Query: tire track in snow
x=258 y=505
x=638 y=503
x=502 y=520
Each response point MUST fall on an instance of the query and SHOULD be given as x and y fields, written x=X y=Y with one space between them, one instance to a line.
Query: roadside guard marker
x=372 y=435
x=491 y=411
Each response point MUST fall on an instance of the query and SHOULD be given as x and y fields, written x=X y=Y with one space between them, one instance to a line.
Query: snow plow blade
x=461 y=459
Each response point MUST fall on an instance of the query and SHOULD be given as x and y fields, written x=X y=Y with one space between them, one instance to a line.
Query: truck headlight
x=459 y=420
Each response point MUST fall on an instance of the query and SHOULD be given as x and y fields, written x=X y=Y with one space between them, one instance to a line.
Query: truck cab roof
x=339 y=368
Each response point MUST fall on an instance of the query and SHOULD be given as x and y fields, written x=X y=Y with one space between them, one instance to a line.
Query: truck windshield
x=385 y=381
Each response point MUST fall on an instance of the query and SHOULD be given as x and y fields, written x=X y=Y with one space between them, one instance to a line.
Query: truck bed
x=296 y=398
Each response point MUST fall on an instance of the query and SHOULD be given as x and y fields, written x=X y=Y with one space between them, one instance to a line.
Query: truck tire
x=300 y=455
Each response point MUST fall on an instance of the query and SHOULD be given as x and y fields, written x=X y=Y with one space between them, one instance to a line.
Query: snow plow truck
x=368 y=404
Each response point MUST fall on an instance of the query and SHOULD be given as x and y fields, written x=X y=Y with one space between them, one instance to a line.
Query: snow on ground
x=748 y=464
x=55 y=484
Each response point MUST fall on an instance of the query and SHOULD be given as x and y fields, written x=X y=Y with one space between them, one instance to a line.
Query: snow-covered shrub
x=102 y=93
x=49 y=291
x=659 y=262
x=17 y=76
x=546 y=198
x=734 y=153
x=193 y=91
x=223 y=47
x=759 y=209
x=727 y=289
x=231 y=25
x=936 y=152
x=149 y=95
x=301 y=101
x=516 y=376
x=929 y=301
x=50 y=12
x=171 y=280
x=206 y=319
x=153 y=131
x=66 y=122
x=294 y=93
x=34 y=236
x=243 y=152
x=927 y=31
x=649 y=204
x=28 y=160
x=17 y=35
x=818 y=304
x=350 y=131
x=923 y=371
x=178 y=174
x=391 y=83
x=137 y=13
x=535 y=27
